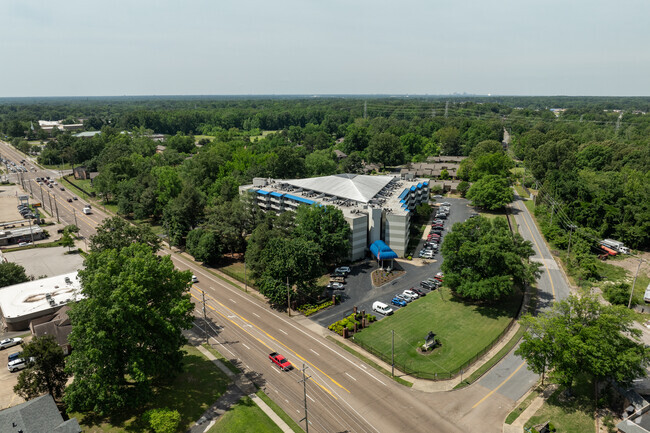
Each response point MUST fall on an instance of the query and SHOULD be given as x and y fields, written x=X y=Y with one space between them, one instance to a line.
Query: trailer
x=609 y=251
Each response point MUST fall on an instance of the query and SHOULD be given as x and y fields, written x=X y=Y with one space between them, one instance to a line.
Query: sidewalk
x=518 y=425
x=241 y=386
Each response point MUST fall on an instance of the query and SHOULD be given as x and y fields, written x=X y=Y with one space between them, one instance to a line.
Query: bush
x=618 y=294
x=162 y=420
x=309 y=309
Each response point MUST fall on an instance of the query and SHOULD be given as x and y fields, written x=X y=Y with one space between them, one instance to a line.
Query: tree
x=449 y=139
x=483 y=260
x=491 y=163
x=462 y=188
x=204 y=245
x=45 y=372
x=12 y=273
x=71 y=229
x=325 y=226
x=444 y=174
x=67 y=241
x=290 y=261
x=491 y=192
x=385 y=149
x=126 y=334
x=116 y=233
x=352 y=164
x=320 y=163
x=583 y=335
x=183 y=213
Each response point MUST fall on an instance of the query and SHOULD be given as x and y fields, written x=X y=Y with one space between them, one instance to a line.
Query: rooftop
x=40 y=295
x=358 y=187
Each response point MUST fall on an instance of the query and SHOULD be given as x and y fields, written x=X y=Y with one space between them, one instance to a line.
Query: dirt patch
x=631 y=263
x=383 y=276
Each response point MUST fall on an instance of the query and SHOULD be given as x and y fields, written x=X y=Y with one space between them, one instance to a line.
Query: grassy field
x=245 y=417
x=191 y=393
x=237 y=268
x=198 y=138
x=464 y=330
x=492 y=215
x=262 y=135
x=575 y=415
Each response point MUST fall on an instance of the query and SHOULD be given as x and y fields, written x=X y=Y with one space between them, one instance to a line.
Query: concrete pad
x=46 y=261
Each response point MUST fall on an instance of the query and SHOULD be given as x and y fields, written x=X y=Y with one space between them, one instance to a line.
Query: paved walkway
x=241 y=386
x=518 y=425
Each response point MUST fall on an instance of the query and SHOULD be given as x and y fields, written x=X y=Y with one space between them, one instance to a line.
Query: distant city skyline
x=298 y=47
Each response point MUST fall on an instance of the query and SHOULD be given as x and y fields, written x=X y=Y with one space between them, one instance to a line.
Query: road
x=343 y=393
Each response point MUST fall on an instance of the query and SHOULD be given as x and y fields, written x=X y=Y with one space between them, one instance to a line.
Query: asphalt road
x=359 y=290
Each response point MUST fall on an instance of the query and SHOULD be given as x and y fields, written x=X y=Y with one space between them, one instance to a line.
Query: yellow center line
x=279 y=342
x=500 y=385
x=266 y=345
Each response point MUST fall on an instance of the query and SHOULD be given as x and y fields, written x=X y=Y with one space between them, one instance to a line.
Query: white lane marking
x=284 y=332
x=244 y=344
x=256 y=315
x=314 y=352
x=231 y=300
x=311 y=398
x=351 y=377
x=363 y=366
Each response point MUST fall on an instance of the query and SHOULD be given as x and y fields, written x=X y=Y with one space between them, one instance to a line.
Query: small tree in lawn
x=67 y=241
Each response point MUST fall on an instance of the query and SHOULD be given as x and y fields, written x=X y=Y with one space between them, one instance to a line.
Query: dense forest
x=593 y=157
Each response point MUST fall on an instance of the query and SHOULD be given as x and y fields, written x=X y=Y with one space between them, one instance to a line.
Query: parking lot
x=8 y=380
x=359 y=291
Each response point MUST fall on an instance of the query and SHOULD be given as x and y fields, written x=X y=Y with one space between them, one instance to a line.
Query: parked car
x=427 y=285
x=445 y=204
x=9 y=342
x=410 y=293
x=419 y=292
x=403 y=298
x=382 y=308
x=399 y=302
x=17 y=364
x=14 y=355
x=336 y=274
x=280 y=361
x=335 y=286
x=437 y=196
x=343 y=270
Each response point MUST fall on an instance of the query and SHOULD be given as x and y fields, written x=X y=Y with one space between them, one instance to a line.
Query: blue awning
x=419 y=186
x=276 y=194
x=299 y=199
x=425 y=183
x=413 y=188
x=261 y=191
x=382 y=251
x=404 y=193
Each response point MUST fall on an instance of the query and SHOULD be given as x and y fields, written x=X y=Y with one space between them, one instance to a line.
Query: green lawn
x=191 y=393
x=245 y=417
x=278 y=410
x=575 y=415
x=492 y=215
x=464 y=330
x=236 y=270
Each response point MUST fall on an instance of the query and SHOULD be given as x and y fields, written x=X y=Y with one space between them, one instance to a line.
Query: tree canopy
x=582 y=335
x=325 y=226
x=12 y=273
x=126 y=334
x=491 y=192
x=116 y=233
x=483 y=260
x=45 y=372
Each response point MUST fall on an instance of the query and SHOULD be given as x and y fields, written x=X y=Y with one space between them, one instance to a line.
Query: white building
x=376 y=207
x=22 y=303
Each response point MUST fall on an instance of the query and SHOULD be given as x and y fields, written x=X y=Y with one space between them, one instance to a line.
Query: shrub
x=162 y=420
x=618 y=294
x=309 y=309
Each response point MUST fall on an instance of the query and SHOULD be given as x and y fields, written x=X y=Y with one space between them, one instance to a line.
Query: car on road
x=399 y=302
x=9 y=342
x=280 y=361
x=51 y=186
x=69 y=200
x=343 y=270
x=335 y=286
x=75 y=198
x=195 y=279
x=61 y=188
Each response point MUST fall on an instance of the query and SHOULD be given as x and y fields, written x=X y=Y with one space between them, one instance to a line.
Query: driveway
x=359 y=290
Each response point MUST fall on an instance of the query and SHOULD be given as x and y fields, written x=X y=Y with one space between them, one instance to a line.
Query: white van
x=87 y=210
x=382 y=308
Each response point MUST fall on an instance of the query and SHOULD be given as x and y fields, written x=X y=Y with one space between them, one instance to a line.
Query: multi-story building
x=375 y=207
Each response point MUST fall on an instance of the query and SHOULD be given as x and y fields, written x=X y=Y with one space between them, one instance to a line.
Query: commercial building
x=22 y=303
x=375 y=207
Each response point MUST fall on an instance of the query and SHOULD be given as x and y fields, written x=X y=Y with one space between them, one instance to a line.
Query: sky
x=246 y=47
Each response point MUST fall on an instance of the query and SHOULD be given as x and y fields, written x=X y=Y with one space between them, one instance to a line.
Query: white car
x=336 y=286
x=195 y=279
x=343 y=270
x=18 y=364
x=437 y=196
x=9 y=342
x=410 y=293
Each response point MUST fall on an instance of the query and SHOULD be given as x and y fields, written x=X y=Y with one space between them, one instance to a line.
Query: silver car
x=9 y=342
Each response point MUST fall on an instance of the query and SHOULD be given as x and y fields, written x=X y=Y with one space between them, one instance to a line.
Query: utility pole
x=304 y=388
x=57 y=211
x=568 y=251
x=392 y=357
x=288 y=299
x=629 y=303
x=205 y=319
x=74 y=212
x=50 y=198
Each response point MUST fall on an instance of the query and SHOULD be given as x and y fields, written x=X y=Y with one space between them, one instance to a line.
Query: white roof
x=359 y=187
x=39 y=295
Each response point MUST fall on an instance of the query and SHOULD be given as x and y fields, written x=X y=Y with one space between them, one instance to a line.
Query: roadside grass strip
x=245 y=417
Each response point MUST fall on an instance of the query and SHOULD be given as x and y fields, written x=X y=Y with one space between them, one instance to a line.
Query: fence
x=89 y=194
x=443 y=375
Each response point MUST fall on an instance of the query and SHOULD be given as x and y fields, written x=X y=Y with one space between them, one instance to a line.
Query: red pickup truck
x=280 y=361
